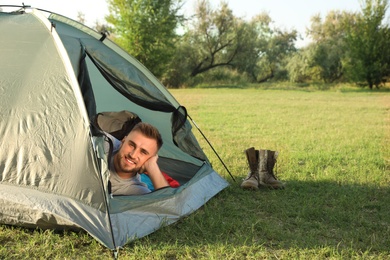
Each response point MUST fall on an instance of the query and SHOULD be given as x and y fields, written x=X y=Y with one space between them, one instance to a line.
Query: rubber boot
x=252 y=180
x=267 y=178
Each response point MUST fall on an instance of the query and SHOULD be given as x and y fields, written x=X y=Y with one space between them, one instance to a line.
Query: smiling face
x=135 y=150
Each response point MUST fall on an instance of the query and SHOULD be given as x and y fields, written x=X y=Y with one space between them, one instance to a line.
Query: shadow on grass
x=306 y=215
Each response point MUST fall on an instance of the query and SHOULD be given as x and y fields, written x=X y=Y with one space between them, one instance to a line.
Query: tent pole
x=220 y=159
x=106 y=191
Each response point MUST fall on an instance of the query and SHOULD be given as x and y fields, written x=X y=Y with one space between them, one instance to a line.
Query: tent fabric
x=43 y=121
x=55 y=76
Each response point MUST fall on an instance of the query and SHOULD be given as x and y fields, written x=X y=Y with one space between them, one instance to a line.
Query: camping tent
x=55 y=76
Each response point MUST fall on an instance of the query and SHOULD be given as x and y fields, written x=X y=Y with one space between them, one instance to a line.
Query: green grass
x=334 y=157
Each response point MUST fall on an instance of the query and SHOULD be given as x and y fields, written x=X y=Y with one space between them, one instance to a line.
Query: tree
x=278 y=48
x=329 y=43
x=146 y=29
x=180 y=67
x=300 y=67
x=368 y=41
x=81 y=17
x=213 y=36
x=264 y=49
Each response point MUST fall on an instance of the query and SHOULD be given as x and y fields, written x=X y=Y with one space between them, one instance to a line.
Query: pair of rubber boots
x=261 y=165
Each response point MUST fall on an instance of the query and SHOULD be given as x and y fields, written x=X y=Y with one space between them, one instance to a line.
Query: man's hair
x=149 y=131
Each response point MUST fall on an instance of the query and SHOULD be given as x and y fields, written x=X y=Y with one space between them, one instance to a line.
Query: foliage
x=264 y=49
x=220 y=77
x=211 y=40
x=216 y=38
x=146 y=29
x=179 y=68
x=213 y=37
x=368 y=43
x=329 y=45
x=300 y=66
x=345 y=46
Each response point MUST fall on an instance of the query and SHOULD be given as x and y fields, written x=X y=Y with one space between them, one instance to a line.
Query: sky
x=286 y=14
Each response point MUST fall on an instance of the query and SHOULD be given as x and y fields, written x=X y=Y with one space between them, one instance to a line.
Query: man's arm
x=154 y=173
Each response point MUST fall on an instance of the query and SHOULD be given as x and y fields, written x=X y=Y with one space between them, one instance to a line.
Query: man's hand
x=153 y=170
x=150 y=164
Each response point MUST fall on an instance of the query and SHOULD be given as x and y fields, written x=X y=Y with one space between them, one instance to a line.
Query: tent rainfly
x=55 y=76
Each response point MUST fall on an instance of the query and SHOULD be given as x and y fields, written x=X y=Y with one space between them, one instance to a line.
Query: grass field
x=334 y=157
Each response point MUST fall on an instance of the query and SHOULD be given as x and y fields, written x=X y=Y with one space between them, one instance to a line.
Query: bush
x=219 y=77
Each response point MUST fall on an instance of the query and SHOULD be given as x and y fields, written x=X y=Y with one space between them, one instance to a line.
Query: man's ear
x=123 y=139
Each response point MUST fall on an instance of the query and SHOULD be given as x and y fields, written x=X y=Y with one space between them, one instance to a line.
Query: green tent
x=55 y=76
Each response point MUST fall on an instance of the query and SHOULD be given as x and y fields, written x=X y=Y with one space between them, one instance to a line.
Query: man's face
x=135 y=150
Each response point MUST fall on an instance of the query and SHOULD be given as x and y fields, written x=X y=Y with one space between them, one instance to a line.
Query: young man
x=137 y=153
